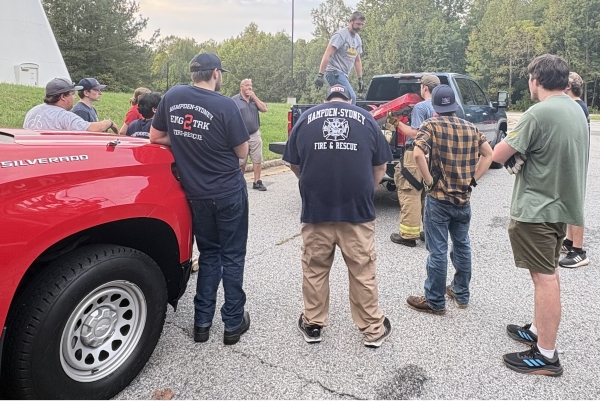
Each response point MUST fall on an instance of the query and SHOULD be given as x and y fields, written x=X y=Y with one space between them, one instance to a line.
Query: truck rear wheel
x=86 y=326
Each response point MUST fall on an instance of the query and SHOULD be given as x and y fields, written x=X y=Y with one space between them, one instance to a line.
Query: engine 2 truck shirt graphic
x=336 y=145
x=204 y=127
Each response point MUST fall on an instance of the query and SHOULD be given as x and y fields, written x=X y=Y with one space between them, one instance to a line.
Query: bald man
x=249 y=105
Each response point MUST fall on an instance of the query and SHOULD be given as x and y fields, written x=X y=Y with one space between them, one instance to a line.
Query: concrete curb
x=266 y=164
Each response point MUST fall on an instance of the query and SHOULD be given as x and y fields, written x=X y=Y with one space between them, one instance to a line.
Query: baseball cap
x=443 y=99
x=339 y=91
x=429 y=80
x=207 y=61
x=575 y=79
x=90 y=83
x=60 y=85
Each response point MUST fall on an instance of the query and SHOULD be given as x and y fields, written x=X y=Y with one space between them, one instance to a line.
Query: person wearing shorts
x=249 y=105
x=546 y=197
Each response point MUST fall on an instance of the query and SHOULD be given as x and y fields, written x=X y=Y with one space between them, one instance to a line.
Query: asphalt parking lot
x=455 y=356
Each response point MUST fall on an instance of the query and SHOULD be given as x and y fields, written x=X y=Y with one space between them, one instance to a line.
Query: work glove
x=515 y=163
x=361 y=85
x=319 y=81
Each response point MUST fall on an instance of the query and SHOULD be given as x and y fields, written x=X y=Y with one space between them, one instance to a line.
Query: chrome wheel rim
x=103 y=331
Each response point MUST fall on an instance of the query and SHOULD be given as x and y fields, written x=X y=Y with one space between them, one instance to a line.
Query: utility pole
x=292 y=89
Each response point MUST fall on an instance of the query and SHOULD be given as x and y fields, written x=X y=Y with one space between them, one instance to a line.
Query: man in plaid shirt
x=459 y=156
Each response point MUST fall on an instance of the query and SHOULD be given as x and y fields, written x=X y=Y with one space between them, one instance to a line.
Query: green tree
x=99 y=38
x=329 y=17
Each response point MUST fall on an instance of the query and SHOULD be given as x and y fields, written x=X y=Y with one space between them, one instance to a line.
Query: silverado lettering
x=42 y=160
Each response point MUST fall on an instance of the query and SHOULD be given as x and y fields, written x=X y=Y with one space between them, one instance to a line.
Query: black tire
x=38 y=362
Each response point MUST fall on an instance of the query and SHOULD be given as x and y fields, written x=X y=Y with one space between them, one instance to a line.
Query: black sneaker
x=532 y=362
x=574 y=259
x=311 y=334
x=378 y=341
x=522 y=334
x=232 y=337
x=259 y=185
x=397 y=239
x=201 y=334
x=564 y=248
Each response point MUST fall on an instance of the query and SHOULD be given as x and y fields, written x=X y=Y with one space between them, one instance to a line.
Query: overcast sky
x=222 y=19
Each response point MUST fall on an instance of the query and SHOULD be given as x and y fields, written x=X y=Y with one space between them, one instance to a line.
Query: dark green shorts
x=536 y=246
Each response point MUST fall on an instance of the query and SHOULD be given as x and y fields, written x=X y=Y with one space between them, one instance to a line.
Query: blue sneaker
x=522 y=334
x=532 y=362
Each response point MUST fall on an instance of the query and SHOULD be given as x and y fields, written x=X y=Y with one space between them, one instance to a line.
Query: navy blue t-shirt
x=204 y=127
x=336 y=145
x=139 y=128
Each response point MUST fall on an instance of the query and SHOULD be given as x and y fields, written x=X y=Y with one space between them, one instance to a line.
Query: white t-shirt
x=54 y=118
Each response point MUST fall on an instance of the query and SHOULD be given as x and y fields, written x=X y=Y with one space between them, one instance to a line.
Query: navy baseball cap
x=60 y=85
x=90 y=83
x=338 y=90
x=206 y=61
x=443 y=99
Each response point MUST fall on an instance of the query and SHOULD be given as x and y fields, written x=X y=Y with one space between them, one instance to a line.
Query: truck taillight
x=289 y=123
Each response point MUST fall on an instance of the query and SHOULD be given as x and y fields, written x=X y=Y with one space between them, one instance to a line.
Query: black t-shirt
x=336 y=145
x=585 y=109
x=140 y=128
x=204 y=127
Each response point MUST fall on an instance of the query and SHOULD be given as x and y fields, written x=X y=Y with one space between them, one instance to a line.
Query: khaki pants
x=411 y=200
x=357 y=243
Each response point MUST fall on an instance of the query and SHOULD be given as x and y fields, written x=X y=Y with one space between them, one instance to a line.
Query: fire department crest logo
x=336 y=129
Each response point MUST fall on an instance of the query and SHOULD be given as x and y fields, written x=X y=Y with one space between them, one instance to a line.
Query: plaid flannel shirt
x=454 y=145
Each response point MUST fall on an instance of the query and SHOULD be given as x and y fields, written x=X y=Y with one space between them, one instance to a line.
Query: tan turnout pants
x=357 y=243
x=411 y=206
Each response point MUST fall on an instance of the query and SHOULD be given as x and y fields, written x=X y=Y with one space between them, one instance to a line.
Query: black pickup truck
x=473 y=105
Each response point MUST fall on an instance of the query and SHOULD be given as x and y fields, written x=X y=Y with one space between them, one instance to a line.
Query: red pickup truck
x=95 y=240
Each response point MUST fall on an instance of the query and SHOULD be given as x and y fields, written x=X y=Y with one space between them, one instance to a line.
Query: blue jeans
x=441 y=219
x=221 y=230
x=338 y=77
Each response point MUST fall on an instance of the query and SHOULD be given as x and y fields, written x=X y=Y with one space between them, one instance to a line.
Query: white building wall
x=26 y=38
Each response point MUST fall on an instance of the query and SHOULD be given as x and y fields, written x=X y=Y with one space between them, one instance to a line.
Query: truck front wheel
x=86 y=326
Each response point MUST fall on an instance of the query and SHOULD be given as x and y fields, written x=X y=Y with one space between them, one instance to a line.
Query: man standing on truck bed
x=339 y=155
x=407 y=176
x=54 y=114
x=343 y=52
x=208 y=137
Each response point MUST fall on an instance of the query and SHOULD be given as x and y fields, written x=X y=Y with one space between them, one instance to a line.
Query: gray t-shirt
x=421 y=112
x=249 y=111
x=86 y=112
x=54 y=118
x=348 y=47
x=550 y=188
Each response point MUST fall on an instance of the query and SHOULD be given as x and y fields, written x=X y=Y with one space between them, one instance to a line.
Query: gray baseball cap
x=60 y=85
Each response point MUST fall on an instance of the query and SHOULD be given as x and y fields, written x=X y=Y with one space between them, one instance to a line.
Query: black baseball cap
x=60 y=85
x=207 y=61
x=90 y=83
x=338 y=90
x=443 y=99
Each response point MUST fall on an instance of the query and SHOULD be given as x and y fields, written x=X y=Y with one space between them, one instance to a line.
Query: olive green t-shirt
x=550 y=188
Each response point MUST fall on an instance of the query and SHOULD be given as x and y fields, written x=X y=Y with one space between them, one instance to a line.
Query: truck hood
x=31 y=137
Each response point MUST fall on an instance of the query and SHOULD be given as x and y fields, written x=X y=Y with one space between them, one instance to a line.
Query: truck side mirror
x=502 y=102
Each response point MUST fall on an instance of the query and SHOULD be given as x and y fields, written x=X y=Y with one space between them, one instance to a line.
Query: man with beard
x=208 y=137
x=343 y=52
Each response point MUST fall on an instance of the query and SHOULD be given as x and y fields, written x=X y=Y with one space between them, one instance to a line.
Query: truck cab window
x=465 y=92
x=480 y=97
